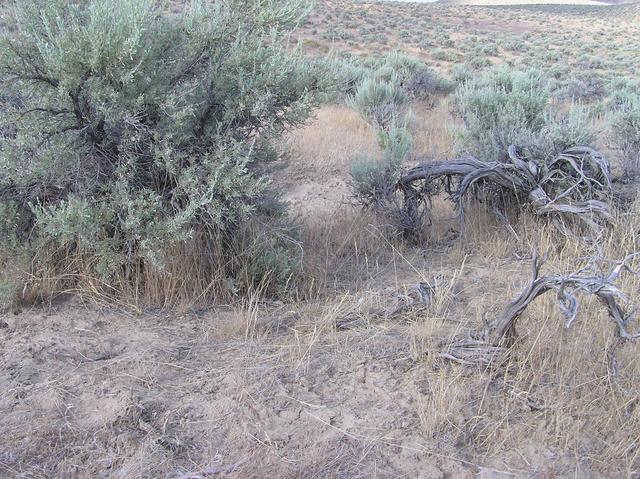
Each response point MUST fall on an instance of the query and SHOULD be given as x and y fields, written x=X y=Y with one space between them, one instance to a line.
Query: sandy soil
x=270 y=390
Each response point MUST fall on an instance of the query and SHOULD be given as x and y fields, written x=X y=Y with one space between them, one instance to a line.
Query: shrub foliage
x=125 y=130
x=505 y=107
x=625 y=128
x=383 y=99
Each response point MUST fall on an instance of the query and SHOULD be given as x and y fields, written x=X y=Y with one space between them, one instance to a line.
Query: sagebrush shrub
x=126 y=129
x=374 y=179
x=625 y=132
x=380 y=102
x=383 y=99
x=409 y=74
x=505 y=107
x=461 y=73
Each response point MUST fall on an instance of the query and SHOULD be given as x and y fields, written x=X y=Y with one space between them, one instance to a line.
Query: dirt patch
x=92 y=394
x=273 y=390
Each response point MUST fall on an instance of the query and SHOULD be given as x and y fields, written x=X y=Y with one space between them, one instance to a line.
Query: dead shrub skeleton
x=573 y=185
x=489 y=346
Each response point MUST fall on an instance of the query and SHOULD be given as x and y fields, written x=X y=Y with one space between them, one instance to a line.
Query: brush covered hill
x=534 y=2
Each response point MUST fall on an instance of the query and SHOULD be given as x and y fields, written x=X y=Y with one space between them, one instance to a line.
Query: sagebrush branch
x=491 y=343
x=574 y=184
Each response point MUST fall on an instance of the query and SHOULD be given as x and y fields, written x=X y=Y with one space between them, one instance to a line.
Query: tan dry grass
x=328 y=145
x=549 y=362
x=433 y=133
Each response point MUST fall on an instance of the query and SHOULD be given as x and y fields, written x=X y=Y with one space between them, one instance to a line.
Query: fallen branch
x=492 y=343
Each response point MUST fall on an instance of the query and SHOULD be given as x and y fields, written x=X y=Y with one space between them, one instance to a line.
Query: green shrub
x=393 y=80
x=478 y=62
x=374 y=179
x=383 y=100
x=461 y=73
x=625 y=132
x=623 y=92
x=444 y=55
x=585 y=88
x=564 y=131
x=380 y=102
x=134 y=130
x=505 y=107
x=500 y=108
x=515 y=45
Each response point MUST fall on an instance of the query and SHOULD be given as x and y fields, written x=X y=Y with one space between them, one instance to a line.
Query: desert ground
x=347 y=378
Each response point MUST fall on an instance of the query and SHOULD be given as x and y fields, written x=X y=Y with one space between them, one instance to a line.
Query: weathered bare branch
x=575 y=184
x=490 y=344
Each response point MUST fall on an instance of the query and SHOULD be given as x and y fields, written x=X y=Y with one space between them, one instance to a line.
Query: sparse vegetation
x=196 y=293
x=626 y=132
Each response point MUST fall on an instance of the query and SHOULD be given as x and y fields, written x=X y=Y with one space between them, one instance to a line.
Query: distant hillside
x=536 y=2
x=529 y=2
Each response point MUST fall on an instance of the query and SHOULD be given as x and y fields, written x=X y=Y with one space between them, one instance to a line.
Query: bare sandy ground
x=265 y=390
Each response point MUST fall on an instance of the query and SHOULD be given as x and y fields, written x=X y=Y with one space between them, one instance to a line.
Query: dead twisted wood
x=492 y=343
x=576 y=183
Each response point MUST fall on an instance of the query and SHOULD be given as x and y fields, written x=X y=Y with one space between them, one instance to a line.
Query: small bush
x=625 y=132
x=498 y=109
x=515 y=45
x=506 y=107
x=380 y=102
x=383 y=100
x=564 y=131
x=478 y=62
x=586 y=88
x=392 y=82
x=444 y=55
x=374 y=180
x=461 y=73
x=426 y=85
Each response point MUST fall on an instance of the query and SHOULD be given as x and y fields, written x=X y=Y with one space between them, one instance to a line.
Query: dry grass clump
x=196 y=273
x=326 y=147
x=433 y=130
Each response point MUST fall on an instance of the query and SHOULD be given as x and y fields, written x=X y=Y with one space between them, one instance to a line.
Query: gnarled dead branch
x=492 y=343
x=575 y=184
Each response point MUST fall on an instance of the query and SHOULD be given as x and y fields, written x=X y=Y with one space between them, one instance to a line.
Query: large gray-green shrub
x=125 y=130
x=504 y=107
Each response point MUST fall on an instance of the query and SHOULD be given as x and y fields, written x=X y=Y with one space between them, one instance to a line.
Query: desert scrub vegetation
x=529 y=36
x=507 y=107
x=625 y=129
x=363 y=378
x=515 y=148
x=383 y=99
x=129 y=133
